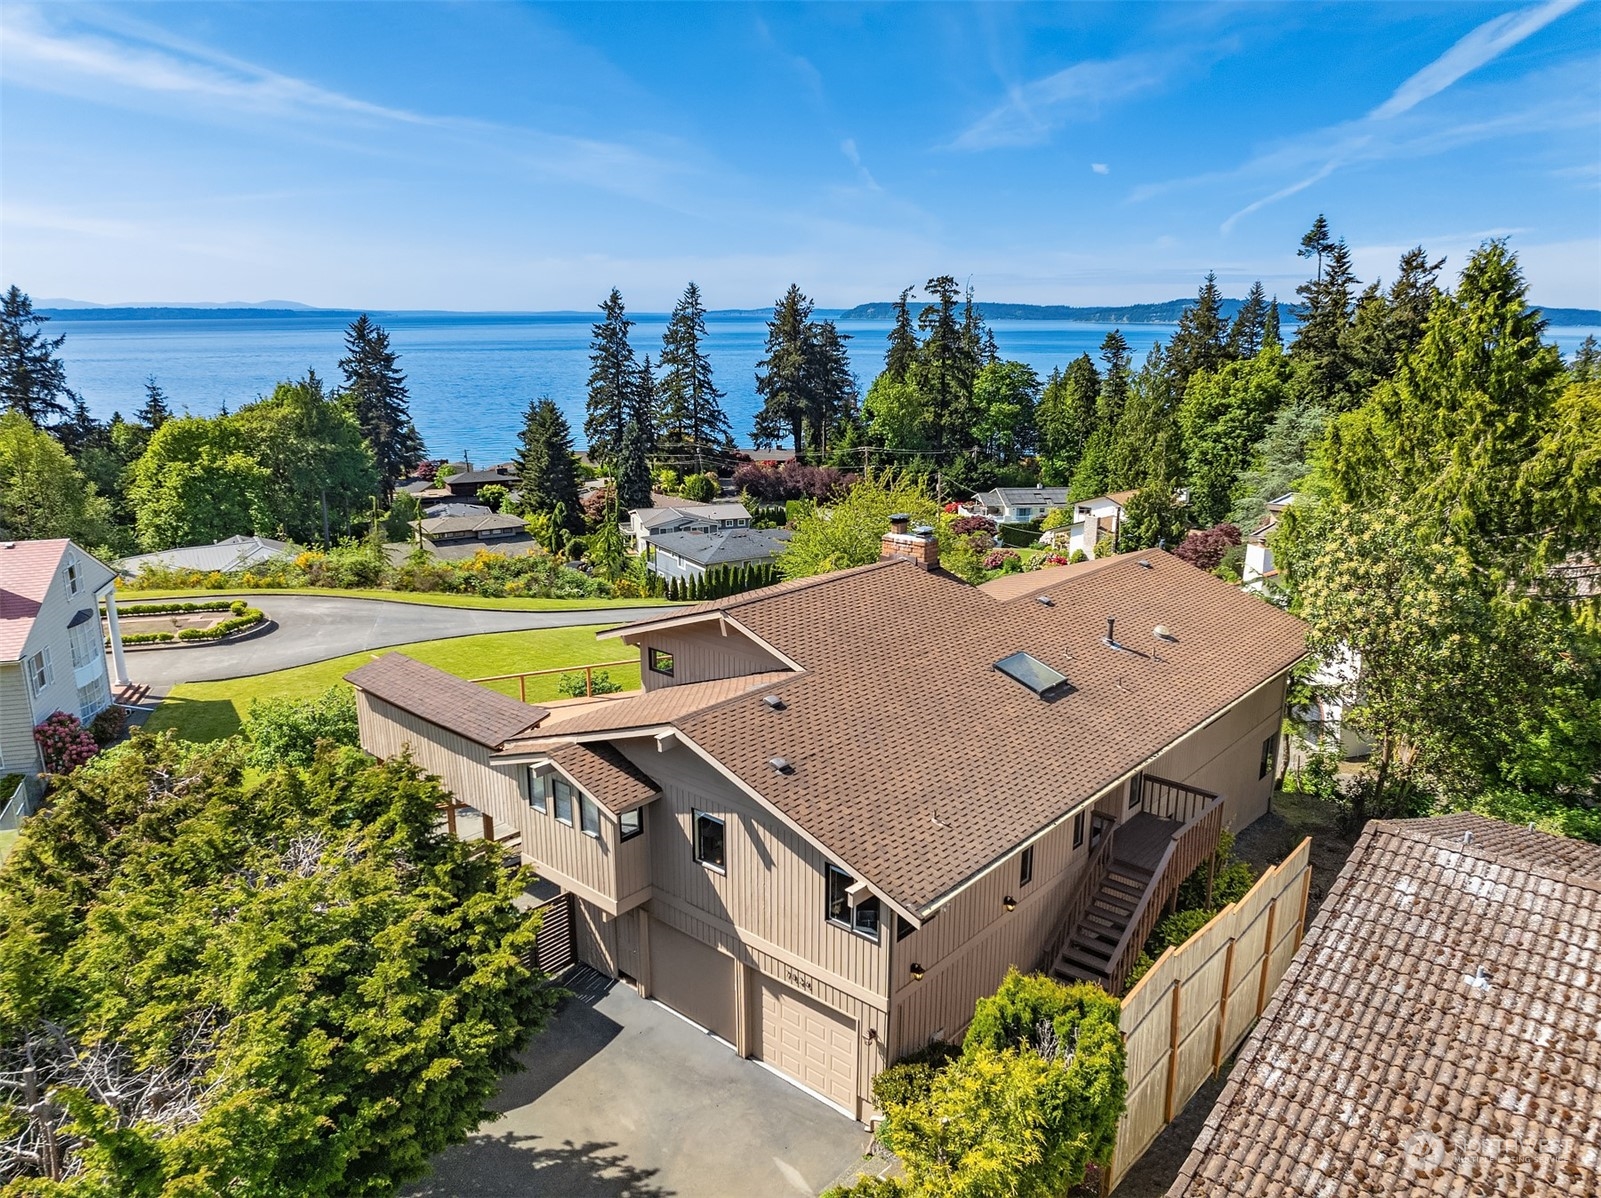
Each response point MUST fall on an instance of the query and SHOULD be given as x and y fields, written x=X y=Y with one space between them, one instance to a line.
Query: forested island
x=1166 y=312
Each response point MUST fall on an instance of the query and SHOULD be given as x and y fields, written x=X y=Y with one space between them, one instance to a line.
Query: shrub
x=1205 y=548
x=911 y=1078
x=1078 y=555
x=145 y=638
x=700 y=488
x=107 y=727
x=287 y=731
x=222 y=628
x=870 y=1187
x=965 y=526
x=1008 y=561
x=238 y=607
x=572 y=686
x=493 y=496
x=64 y=743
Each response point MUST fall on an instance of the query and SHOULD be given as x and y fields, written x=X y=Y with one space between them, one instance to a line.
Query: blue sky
x=512 y=157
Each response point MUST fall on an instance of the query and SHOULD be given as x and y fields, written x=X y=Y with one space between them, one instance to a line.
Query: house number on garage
x=798 y=979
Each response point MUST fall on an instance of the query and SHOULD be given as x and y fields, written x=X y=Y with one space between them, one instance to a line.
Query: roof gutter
x=1056 y=823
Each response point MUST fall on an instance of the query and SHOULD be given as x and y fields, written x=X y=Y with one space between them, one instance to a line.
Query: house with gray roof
x=647 y=522
x=234 y=553
x=693 y=554
x=774 y=837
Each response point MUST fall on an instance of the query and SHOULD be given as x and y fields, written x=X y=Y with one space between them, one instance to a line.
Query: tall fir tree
x=1271 y=334
x=613 y=375
x=80 y=431
x=831 y=389
x=155 y=411
x=1315 y=243
x=946 y=365
x=633 y=456
x=546 y=467
x=690 y=418
x=902 y=350
x=1115 y=379
x=1201 y=341
x=785 y=375
x=33 y=380
x=376 y=390
x=1247 y=332
x=1322 y=341
x=1586 y=364
x=1066 y=415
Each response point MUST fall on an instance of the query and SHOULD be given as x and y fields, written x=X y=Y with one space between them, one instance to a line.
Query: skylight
x=1033 y=673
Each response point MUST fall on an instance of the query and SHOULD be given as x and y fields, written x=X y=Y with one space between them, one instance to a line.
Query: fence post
x=1173 y=1052
x=1223 y=1000
x=1267 y=955
x=589 y=681
x=522 y=687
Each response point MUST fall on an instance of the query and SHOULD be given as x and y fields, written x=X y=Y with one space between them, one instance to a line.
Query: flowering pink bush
x=1052 y=559
x=65 y=743
x=1003 y=559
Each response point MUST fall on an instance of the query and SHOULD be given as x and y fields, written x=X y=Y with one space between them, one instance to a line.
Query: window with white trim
x=538 y=790
x=40 y=674
x=74 y=576
x=86 y=643
x=562 y=793
x=860 y=916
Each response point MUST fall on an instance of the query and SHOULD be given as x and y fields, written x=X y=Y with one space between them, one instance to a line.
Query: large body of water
x=472 y=375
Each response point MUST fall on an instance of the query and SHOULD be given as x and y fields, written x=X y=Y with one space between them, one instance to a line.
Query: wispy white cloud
x=1032 y=111
x=848 y=148
x=1368 y=138
x=1100 y=168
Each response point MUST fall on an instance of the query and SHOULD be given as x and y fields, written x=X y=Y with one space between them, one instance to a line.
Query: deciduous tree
x=42 y=494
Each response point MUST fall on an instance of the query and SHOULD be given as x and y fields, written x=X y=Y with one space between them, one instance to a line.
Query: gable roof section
x=475 y=712
x=433 y=526
x=27 y=569
x=718 y=548
x=1023 y=496
x=894 y=660
x=653 y=517
x=608 y=777
x=643 y=709
x=1381 y=1065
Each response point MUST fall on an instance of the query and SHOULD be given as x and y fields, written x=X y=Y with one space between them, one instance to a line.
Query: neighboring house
x=1093 y=520
x=52 y=651
x=774 y=457
x=1260 y=573
x=469 y=482
x=439 y=510
x=235 y=553
x=1435 y=1034
x=1017 y=505
x=489 y=526
x=692 y=554
x=647 y=522
x=794 y=835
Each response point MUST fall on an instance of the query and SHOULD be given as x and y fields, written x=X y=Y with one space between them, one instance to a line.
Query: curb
x=233 y=638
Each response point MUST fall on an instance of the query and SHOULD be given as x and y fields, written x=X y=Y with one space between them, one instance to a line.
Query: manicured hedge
x=170 y=609
x=216 y=632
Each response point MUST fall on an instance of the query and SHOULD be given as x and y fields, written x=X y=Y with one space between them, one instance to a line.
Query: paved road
x=317 y=627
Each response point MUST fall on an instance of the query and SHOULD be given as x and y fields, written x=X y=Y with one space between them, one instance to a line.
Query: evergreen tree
x=1323 y=339
x=1153 y=517
x=690 y=415
x=1315 y=243
x=613 y=375
x=633 y=457
x=1247 y=332
x=1066 y=415
x=784 y=377
x=946 y=365
x=1270 y=325
x=1586 y=364
x=155 y=412
x=80 y=431
x=1201 y=341
x=831 y=395
x=33 y=380
x=1281 y=460
x=1115 y=380
x=1222 y=418
x=902 y=350
x=1387 y=325
x=546 y=466
x=375 y=388
x=1144 y=441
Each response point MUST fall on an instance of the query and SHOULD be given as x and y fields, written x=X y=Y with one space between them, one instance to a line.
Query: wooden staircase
x=1133 y=870
x=1087 y=955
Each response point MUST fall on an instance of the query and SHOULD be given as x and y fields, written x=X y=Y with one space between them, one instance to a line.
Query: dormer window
x=850 y=905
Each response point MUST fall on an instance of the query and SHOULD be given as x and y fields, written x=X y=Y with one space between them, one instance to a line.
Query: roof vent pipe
x=1111 y=630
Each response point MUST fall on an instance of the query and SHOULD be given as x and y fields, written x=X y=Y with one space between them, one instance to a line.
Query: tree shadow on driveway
x=518 y=1166
x=576 y=1032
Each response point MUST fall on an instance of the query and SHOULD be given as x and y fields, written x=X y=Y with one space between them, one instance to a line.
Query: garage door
x=693 y=978
x=813 y=1044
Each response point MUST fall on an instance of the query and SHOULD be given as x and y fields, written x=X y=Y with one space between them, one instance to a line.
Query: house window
x=1268 y=746
x=710 y=846
x=1078 y=830
x=73 y=579
x=661 y=662
x=538 y=790
x=1025 y=872
x=903 y=928
x=563 y=795
x=588 y=815
x=861 y=917
x=631 y=823
x=1135 y=785
x=39 y=673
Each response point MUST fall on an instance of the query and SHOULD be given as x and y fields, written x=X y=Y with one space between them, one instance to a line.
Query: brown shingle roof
x=610 y=778
x=892 y=726
x=644 y=709
x=1381 y=1067
x=481 y=715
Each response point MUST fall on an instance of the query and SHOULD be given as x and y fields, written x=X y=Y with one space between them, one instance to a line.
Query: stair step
x=1096 y=936
x=1114 y=911
x=1068 y=972
x=1088 y=950
x=1084 y=960
x=1129 y=884
x=1104 y=921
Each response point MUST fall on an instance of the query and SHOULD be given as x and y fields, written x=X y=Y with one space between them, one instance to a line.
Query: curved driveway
x=317 y=627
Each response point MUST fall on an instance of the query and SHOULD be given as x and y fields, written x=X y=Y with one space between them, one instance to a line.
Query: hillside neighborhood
x=763 y=653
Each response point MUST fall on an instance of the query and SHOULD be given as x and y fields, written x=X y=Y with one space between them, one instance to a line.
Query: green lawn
x=210 y=710
x=429 y=599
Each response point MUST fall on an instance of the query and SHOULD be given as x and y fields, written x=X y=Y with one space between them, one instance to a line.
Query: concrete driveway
x=317 y=627
x=623 y=1099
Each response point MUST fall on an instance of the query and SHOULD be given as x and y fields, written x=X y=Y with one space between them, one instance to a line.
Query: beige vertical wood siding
x=595 y=936
x=1226 y=756
x=702 y=654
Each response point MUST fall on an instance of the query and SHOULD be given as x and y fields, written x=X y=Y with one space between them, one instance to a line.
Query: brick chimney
x=919 y=545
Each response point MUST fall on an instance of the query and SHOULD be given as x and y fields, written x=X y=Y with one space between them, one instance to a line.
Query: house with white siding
x=790 y=836
x=52 y=649
x=647 y=522
x=691 y=555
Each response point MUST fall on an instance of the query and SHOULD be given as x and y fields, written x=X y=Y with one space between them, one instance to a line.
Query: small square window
x=661 y=662
x=1078 y=830
x=1025 y=872
x=631 y=823
x=1268 y=747
x=563 y=795
x=588 y=815
x=538 y=790
x=710 y=846
x=865 y=917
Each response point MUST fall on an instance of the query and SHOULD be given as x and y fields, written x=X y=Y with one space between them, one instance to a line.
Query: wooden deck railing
x=1103 y=830
x=1186 y=849
x=1172 y=800
x=589 y=675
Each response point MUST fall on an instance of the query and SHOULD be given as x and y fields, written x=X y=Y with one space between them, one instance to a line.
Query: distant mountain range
x=1166 y=312
x=66 y=305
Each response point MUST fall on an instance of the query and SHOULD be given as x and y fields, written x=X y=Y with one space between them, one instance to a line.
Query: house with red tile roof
x=841 y=807
x=52 y=649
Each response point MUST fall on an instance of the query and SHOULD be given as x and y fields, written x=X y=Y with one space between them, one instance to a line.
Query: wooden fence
x=589 y=675
x=1192 y=1008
